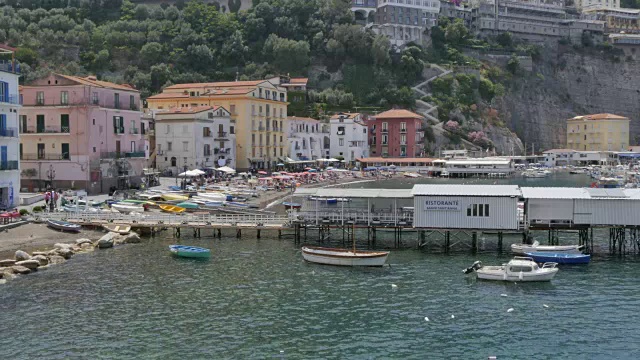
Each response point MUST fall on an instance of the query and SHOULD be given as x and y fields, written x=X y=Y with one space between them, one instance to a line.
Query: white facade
x=348 y=137
x=197 y=137
x=481 y=207
x=9 y=138
x=590 y=4
x=308 y=138
x=403 y=21
x=482 y=166
x=563 y=157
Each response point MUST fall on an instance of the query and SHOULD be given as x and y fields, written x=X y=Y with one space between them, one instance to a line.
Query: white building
x=348 y=137
x=482 y=166
x=195 y=137
x=403 y=21
x=308 y=138
x=481 y=207
x=9 y=134
x=587 y=4
x=564 y=157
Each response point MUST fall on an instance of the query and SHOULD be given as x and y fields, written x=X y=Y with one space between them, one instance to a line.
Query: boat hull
x=344 y=257
x=523 y=249
x=120 y=229
x=173 y=197
x=190 y=251
x=498 y=273
x=560 y=258
x=126 y=208
x=63 y=226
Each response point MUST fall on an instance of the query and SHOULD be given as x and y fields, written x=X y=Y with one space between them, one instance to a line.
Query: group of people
x=51 y=199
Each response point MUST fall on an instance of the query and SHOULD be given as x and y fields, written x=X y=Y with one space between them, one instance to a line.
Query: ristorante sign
x=442 y=205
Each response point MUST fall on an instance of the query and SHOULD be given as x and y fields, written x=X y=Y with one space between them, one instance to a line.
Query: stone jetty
x=24 y=263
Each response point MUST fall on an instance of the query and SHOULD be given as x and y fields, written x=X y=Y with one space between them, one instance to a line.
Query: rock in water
x=20 y=269
x=56 y=259
x=132 y=238
x=29 y=264
x=106 y=241
x=3 y=281
x=21 y=255
x=41 y=259
x=65 y=253
x=79 y=242
x=7 y=274
x=60 y=246
x=7 y=262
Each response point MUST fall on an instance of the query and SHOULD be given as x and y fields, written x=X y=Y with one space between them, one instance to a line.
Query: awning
x=226 y=169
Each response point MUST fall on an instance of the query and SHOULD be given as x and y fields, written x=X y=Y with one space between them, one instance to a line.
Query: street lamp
x=51 y=174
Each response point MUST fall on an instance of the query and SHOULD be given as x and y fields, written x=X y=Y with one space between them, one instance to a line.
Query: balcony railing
x=118 y=130
x=222 y=134
x=119 y=155
x=223 y=151
x=207 y=134
x=9 y=165
x=42 y=156
x=9 y=132
x=10 y=99
x=260 y=128
x=385 y=130
x=46 y=130
x=133 y=130
x=8 y=67
x=403 y=130
x=207 y=153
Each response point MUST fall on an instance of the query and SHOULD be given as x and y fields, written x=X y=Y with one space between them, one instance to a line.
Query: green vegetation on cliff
x=153 y=46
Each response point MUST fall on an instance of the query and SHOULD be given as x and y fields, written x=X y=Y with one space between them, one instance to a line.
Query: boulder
x=132 y=238
x=65 y=253
x=8 y=274
x=86 y=247
x=7 y=262
x=44 y=253
x=60 y=246
x=21 y=255
x=3 y=281
x=107 y=240
x=56 y=259
x=41 y=259
x=79 y=242
x=20 y=269
x=29 y=264
x=2 y=269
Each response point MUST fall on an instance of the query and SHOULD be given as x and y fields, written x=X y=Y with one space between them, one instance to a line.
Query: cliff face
x=566 y=84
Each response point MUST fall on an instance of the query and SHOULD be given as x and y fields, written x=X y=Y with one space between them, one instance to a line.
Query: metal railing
x=10 y=99
x=32 y=157
x=222 y=134
x=46 y=130
x=133 y=130
x=170 y=219
x=337 y=216
x=8 y=67
x=8 y=132
x=9 y=165
x=118 y=155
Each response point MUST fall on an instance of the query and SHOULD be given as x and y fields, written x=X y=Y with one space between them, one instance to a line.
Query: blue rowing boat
x=190 y=251
x=560 y=258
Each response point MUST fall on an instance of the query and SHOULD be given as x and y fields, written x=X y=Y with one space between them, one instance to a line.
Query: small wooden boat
x=536 y=247
x=188 y=205
x=215 y=196
x=139 y=202
x=120 y=229
x=291 y=205
x=172 y=209
x=520 y=269
x=127 y=208
x=190 y=251
x=170 y=197
x=63 y=226
x=560 y=258
x=344 y=257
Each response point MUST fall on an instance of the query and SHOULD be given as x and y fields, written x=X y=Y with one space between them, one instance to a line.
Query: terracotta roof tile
x=604 y=116
x=168 y=96
x=217 y=84
x=92 y=81
x=301 y=118
x=188 y=110
x=397 y=114
x=347 y=115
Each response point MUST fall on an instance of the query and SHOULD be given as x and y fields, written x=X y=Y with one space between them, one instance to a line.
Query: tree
x=456 y=33
x=287 y=55
x=486 y=89
x=380 y=50
x=27 y=56
x=505 y=39
x=151 y=53
x=513 y=65
x=411 y=64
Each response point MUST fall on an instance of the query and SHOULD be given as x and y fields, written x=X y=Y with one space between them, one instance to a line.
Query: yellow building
x=598 y=132
x=259 y=109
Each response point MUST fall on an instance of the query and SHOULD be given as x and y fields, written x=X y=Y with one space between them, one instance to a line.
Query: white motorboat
x=411 y=175
x=534 y=174
x=214 y=196
x=127 y=208
x=520 y=269
x=344 y=257
x=536 y=247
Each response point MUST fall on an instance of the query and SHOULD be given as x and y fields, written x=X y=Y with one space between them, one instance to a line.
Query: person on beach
x=47 y=199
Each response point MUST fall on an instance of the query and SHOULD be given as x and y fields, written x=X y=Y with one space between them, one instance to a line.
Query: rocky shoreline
x=24 y=263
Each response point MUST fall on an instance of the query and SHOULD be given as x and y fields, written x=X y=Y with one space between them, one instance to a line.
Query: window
x=132 y=102
x=41 y=151
x=185 y=146
x=23 y=123
x=40 y=98
x=341 y=142
x=169 y=146
x=116 y=101
x=403 y=139
x=478 y=210
x=253 y=139
x=64 y=123
x=65 y=151
x=340 y=130
x=64 y=98
x=385 y=139
x=232 y=130
x=94 y=149
x=207 y=150
x=253 y=109
x=385 y=126
x=168 y=129
x=118 y=125
x=94 y=98
x=232 y=109
x=403 y=126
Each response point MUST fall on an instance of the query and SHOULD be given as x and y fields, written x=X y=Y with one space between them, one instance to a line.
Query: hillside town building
x=308 y=138
x=396 y=133
x=598 y=132
x=348 y=137
x=9 y=135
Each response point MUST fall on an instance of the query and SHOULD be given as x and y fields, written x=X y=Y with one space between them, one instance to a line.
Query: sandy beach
x=38 y=237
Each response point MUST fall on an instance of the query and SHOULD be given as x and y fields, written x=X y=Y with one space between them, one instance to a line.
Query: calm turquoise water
x=257 y=298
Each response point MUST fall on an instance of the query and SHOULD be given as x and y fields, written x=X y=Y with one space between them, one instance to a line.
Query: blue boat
x=291 y=205
x=190 y=251
x=331 y=201
x=560 y=258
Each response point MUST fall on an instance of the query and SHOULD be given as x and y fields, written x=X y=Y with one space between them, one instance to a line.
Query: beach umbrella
x=197 y=172
x=226 y=169
x=262 y=172
x=312 y=170
x=280 y=164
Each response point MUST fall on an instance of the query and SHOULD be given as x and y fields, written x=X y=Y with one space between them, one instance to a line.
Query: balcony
x=65 y=130
x=9 y=132
x=384 y=130
x=9 y=165
x=42 y=156
x=223 y=151
x=403 y=130
x=8 y=67
x=118 y=130
x=207 y=153
x=260 y=128
x=221 y=135
x=119 y=155
x=133 y=131
x=10 y=99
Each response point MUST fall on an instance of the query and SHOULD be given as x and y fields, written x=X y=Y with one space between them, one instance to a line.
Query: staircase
x=430 y=108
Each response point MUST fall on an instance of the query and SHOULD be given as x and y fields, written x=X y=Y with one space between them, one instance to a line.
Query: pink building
x=81 y=133
x=396 y=133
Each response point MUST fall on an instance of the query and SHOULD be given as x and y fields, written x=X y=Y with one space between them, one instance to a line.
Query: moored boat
x=519 y=269
x=560 y=258
x=172 y=209
x=188 y=205
x=139 y=202
x=536 y=247
x=411 y=175
x=291 y=205
x=172 y=197
x=127 y=208
x=190 y=251
x=120 y=229
x=344 y=257
x=63 y=225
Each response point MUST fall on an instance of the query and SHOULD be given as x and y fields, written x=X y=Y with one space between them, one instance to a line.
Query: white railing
x=168 y=219
x=403 y=218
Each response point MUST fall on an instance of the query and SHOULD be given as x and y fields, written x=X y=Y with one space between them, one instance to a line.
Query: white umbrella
x=197 y=172
x=226 y=169
x=187 y=173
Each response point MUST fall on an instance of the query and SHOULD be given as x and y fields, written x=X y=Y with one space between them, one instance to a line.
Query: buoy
x=394 y=286
x=453 y=317
x=504 y=295
x=426 y=318
x=509 y=309
x=545 y=305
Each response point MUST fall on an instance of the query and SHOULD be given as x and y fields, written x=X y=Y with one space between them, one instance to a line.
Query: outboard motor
x=476 y=265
